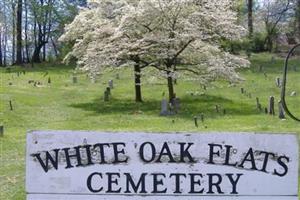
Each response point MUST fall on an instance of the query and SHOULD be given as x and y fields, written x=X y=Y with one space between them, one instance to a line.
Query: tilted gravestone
x=68 y=165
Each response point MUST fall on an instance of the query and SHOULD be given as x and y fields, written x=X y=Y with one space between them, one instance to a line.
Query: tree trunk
x=137 y=81
x=250 y=17
x=298 y=18
x=1 y=57
x=26 y=33
x=19 y=60
x=36 y=53
x=13 y=33
x=170 y=85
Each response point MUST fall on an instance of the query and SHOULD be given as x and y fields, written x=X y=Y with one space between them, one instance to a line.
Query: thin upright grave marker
x=217 y=166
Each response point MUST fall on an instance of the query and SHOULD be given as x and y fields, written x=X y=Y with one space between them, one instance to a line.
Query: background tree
x=19 y=59
x=250 y=17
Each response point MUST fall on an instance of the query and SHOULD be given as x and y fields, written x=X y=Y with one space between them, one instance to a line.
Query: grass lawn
x=63 y=105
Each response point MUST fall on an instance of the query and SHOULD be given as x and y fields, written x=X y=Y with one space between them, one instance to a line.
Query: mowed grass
x=63 y=105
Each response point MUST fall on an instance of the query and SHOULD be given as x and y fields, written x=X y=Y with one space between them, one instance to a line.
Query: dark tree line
x=29 y=29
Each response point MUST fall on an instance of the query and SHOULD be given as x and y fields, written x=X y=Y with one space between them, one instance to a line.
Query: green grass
x=63 y=105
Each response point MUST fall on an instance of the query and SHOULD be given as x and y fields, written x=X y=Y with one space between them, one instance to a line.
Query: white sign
x=216 y=166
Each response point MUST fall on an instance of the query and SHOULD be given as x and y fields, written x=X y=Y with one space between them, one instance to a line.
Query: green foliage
x=258 y=42
x=236 y=46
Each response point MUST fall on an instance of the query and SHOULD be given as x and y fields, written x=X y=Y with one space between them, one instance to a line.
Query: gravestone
x=278 y=82
x=77 y=165
x=74 y=79
x=260 y=68
x=108 y=90
x=202 y=117
x=242 y=90
x=111 y=84
x=281 y=110
x=217 y=107
x=272 y=105
x=106 y=96
x=118 y=76
x=176 y=105
x=164 y=111
x=196 y=121
x=258 y=105
x=1 y=131
x=273 y=60
x=293 y=94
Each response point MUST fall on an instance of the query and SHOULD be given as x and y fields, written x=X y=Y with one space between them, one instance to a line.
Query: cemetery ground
x=64 y=105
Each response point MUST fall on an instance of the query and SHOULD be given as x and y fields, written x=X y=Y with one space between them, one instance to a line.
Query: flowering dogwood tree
x=179 y=38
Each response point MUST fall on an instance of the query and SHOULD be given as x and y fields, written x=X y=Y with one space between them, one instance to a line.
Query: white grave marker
x=73 y=165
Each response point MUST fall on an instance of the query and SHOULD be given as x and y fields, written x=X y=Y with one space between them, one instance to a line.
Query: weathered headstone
x=164 y=111
x=74 y=79
x=111 y=84
x=176 y=104
x=273 y=60
x=281 y=110
x=108 y=90
x=242 y=90
x=202 y=117
x=293 y=94
x=1 y=131
x=278 y=82
x=217 y=107
x=272 y=105
x=73 y=165
x=260 y=68
x=106 y=95
x=117 y=76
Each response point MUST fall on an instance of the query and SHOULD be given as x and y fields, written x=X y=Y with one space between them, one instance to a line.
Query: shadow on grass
x=190 y=106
